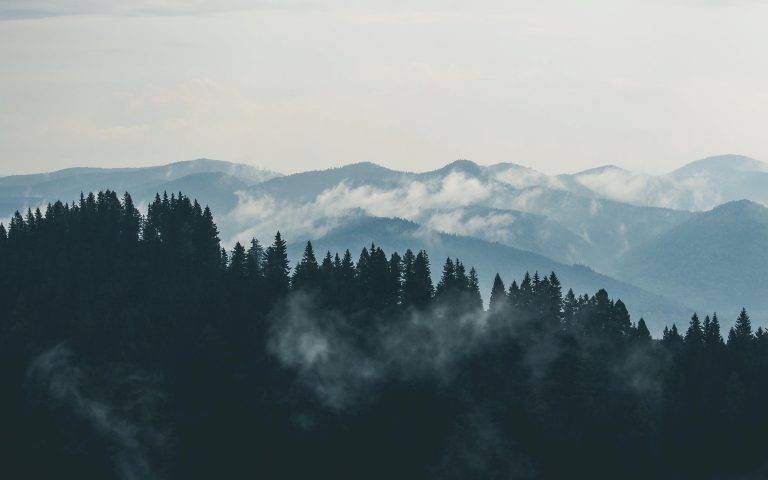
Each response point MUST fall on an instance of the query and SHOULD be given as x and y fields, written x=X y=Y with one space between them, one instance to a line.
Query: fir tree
x=474 y=301
x=276 y=270
x=498 y=297
x=305 y=275
x=694 y=336
x=642 y=334
x=448 y=282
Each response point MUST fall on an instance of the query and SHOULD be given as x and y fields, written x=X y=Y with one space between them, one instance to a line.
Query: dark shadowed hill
x=489 y=258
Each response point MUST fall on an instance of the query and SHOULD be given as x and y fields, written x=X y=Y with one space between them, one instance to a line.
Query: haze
x=556 y=85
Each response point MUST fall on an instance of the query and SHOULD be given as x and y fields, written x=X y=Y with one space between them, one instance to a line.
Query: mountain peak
x=465 y=166
x=722 y=164
x=601 y=169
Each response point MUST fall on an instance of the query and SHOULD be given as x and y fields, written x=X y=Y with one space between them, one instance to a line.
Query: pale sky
x=292 y=85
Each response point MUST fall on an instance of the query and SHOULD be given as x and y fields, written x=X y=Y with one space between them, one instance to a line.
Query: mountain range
x=692 y=239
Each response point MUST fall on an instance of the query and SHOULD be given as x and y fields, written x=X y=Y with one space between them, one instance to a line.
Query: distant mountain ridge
x=606 y=217
x=718 y=259
x=488 y=258
x=697 y=186
x=30 y=191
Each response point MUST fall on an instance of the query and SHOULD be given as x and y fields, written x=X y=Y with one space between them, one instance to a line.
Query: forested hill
x=134 y=346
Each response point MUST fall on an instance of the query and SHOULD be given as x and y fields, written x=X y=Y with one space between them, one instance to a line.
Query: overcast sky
x=292 y=85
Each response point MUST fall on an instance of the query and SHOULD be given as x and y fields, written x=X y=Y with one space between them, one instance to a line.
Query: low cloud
x=260 y=215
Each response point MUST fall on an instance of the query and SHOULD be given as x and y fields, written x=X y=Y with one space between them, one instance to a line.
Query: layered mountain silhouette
x=34 y=190
x=717 y=259
x=489 y=258
x=661 y=233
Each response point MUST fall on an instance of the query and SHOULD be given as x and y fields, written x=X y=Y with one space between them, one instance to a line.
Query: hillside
x=718 y=259
x=489 y=258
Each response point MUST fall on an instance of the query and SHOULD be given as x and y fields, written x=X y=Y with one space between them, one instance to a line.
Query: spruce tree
x=276 y=270
x=255 y=261
x=447 y=285
x=305 y=275
x=743 y=328
x=462 y=280
x=712 y=336
x=418 y=288
x=395 y=285
x=694 y=336
x=570 y=305
x=474 y=300
x=642 y=334
x=346 y=281
x=554 y=298
x=513 y=296
x=238 y=264
x=620 y=320
x=498 y=297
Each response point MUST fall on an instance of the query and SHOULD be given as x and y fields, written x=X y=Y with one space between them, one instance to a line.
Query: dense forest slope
x=135 y=346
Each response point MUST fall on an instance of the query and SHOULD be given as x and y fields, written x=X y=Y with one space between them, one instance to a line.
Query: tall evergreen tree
x=418 y=288
x=305 y=275
x=712 y=336
x=642 y=334
x=276 y=270
x=498 y=295
x=448 y=284
x=395 y=283
x=694 y=336
x=474 y=300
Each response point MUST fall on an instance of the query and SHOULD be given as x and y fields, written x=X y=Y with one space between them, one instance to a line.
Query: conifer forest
x=134 y=346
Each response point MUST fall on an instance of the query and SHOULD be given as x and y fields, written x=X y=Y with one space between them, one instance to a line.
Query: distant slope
x=585 y=229
x=526 y=231
x=718 y=259
x=22 y=191
x=698 y=186
x=489 y=258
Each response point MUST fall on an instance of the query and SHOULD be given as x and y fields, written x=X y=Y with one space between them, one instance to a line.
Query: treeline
x=134 y=346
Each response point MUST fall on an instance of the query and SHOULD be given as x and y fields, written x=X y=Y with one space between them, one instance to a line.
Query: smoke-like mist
x=118 y=403
x=323 y=346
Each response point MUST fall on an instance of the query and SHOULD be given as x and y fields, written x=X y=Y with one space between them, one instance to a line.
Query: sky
x=292 y=85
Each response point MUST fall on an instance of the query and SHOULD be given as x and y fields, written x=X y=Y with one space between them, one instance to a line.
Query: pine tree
x=447 y=285
x=712 y=336
x=620 y=320
x=346 y=280
x=554 y=292
x=238 y=266
x=570 y=306
x=255 y=261
x=642 y=334
x=378 y=293
x=462 y=280
x=395 y=285
x=276 y=270
x=418 y=288
x=305 y=275
x=742 y=331
x=672 y=338
x=475 y=300
x=694 y=337
x=498 y=297
x=526 y=296
x=513 y=296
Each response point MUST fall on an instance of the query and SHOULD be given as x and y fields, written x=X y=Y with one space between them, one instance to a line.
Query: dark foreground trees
x=135 y=347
